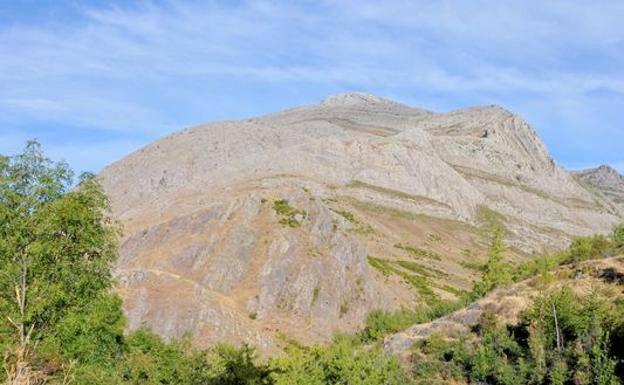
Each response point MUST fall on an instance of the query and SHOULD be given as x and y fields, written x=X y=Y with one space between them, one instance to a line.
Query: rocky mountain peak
x=608 y=171
x=355 y=98
x=304 y=221
x=607 y=181
x=604 y=176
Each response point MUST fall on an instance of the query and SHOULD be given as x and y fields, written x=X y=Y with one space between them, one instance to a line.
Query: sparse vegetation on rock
x=561 y=339
x=289 y=216
x=418 y=252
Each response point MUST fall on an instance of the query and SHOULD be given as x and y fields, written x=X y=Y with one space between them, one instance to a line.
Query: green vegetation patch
x=363 y=229
x=346 y=215
x=561 y=339
x=472 y=265
x=288 y=214
x=420 y=269
x=359 y=227
x=383 y=265
x=419 y=252
x=315 y=294
x=395 y=193
x=414 y=276
x=407 y=215
x=382 y=323
x=450 y=289
x=490 y=218
x=377 y=208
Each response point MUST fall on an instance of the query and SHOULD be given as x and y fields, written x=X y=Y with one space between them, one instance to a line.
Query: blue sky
x=94 y=80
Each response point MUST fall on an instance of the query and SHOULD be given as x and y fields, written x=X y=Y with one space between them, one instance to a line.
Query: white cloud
x=138 y=67
x=84 y=111
x=417 y=43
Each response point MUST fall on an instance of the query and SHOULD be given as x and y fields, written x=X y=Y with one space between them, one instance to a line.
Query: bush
x=584 y=248
x=288 y=214
x=496 y=272
x=561 y=339
x=344 y=361
x=379 y=323
x=618 y=235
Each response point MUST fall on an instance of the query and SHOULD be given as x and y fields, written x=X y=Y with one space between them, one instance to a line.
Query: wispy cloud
x=140 y=70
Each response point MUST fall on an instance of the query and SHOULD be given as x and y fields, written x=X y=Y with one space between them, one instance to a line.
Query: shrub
x=561 y=339
x=618 y=235
x=584 y=248
x=496 y=272
x=344 y=361
x=288 y=214
x=380 y=323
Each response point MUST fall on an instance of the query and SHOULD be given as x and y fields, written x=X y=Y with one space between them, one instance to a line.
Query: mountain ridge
x=277 y=217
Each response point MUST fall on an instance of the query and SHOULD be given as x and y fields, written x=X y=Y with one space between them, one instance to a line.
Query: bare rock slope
x=606 y=180
x=299 y=223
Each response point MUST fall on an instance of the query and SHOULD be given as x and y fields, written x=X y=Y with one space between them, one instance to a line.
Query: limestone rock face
x=300 y=223
x=607 y=181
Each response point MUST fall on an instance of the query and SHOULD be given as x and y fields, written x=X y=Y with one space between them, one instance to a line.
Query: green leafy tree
x=496 y=272
x=57 y=245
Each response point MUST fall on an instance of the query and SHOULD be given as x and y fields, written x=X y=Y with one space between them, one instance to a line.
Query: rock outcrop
x=607 y=181
x=299 y=223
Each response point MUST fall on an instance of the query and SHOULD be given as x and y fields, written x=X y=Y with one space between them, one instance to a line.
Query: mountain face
x=299 y=223
x=607 y=181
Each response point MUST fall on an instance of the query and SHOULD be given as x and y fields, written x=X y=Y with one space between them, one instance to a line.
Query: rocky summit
x=606 y=180
x=298 y=224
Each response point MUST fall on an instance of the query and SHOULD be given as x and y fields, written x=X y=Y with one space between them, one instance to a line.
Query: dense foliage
x=344 y=361
x=562 y=339
x=56 y=249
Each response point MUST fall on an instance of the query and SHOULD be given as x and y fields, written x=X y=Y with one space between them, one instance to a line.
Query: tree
x=496 y=272
x=57 y=246
x=618 y=235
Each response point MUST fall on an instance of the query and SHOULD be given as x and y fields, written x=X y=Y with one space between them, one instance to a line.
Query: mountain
x=298 y=224
x=607 y=181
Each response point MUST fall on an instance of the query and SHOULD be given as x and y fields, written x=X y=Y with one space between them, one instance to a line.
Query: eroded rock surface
x=209 y=250
x=607 y=181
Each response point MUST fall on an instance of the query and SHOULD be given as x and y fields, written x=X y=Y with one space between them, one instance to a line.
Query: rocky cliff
x=299 y=223
x=606 y=180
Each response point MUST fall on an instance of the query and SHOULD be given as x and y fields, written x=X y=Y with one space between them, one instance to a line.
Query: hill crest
x=267 y=225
